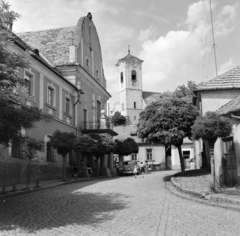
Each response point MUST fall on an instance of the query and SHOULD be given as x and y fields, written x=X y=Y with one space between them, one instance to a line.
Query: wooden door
x=229 y=162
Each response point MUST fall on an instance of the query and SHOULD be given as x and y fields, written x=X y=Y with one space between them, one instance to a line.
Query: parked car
x=127 y=167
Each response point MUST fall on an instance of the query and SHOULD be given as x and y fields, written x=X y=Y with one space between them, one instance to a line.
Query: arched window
x=134 y=78
x=121 y=77
x=122 y=106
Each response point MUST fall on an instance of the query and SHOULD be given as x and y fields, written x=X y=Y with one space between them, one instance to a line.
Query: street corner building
x=66 y=77
x=221 y=94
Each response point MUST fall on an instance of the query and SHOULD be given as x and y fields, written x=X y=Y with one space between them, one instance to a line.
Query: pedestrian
x=146 y=167
x=142 y=169
x=135 y=171
x=75 y=171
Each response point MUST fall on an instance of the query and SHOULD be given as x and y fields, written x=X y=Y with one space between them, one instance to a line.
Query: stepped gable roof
x=150 y=97
x=128 y=59
x=227 y=80
x=232 y=106
x=52 y=43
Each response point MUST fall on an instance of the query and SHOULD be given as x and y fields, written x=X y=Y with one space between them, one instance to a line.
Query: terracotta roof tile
x=232 y=106
x=228 y=80
x=52 y=43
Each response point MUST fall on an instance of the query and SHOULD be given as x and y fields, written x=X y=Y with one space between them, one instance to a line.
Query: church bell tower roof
x=129 y=59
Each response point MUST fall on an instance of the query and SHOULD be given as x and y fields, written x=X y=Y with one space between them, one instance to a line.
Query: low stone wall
x=16 y=171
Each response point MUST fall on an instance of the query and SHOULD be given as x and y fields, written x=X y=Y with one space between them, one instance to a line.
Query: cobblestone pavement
x=117 y=206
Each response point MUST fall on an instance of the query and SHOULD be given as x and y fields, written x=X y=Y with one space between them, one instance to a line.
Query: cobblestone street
x=118 y=206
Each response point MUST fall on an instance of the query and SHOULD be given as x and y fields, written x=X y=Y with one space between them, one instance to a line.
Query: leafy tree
x=86 y=144
x=63 y=142
x=168 y=122
x=104 y=145
x=15 y=112
x=125 y=147
x=186 y=91
x=30 y=148
x=210 y=127
x=118 y=119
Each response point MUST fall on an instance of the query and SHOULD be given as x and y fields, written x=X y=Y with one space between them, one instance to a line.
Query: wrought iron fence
x=94 y=125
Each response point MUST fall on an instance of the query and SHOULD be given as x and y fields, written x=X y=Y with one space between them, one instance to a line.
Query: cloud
x=173 y=59
x=148 y=33
x=227 y=66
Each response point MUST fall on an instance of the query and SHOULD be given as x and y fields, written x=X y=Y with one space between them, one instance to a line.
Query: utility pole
x=214 y=45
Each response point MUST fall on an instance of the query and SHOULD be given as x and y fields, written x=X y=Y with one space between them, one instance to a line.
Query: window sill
x=54 y=108
x=68 y=115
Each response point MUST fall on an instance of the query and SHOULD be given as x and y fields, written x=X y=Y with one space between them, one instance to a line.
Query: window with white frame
x=50 y=96
x=186 y=154
x=27 y=82
x=149 y=154
x=134 y=156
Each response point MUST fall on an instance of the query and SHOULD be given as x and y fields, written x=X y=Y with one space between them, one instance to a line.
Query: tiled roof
x=129 y=58
x=228 y=80
x=52 y=43
x=232 y=106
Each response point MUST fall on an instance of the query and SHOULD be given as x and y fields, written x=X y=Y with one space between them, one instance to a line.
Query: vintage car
x=127 y=167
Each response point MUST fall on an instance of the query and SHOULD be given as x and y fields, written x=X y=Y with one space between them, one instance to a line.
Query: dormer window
x=134 y=78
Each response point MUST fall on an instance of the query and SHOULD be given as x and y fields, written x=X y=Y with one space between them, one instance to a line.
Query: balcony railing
x=91 y=125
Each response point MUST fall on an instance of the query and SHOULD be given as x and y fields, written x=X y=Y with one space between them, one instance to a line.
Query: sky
x=173 y=37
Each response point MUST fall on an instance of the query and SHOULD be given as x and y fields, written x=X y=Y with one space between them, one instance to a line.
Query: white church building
x=133 y=100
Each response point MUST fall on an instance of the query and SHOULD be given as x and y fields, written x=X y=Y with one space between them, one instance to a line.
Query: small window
x=134 y=78
x=186 y=154
x=135 y=117
x=121 y=77
x=134 y=156
x=122 y=106
x=68 y=106
x=87 y=62
x=50 y=96
x=27 y=83
x=149 y=154
x=135 y=105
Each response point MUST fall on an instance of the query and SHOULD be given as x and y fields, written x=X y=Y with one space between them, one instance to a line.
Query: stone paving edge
x=192 y=196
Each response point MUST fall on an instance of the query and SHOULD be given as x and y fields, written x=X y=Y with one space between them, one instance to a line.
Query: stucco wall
x=212 y=100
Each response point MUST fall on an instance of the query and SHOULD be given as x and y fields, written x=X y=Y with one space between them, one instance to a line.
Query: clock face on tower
x=134 y=63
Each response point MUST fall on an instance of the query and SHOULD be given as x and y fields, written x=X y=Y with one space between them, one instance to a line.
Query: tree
x=63 y=142
x=118 y=119
x=210 y=127
x=168 y=121
x=104 y=145
x=16 y=113
x=31 y=146
x=125 y=147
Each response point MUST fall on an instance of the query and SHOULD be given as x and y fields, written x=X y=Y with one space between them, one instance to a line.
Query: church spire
x=128 y=49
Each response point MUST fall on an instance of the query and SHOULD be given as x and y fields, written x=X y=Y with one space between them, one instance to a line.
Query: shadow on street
x=60 y=206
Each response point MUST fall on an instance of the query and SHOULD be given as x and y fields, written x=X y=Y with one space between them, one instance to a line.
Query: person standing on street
x=142 y=169
x=146 y=167
x=135 y=171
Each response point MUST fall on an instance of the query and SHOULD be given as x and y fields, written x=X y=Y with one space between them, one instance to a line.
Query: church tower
x=130 y=87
